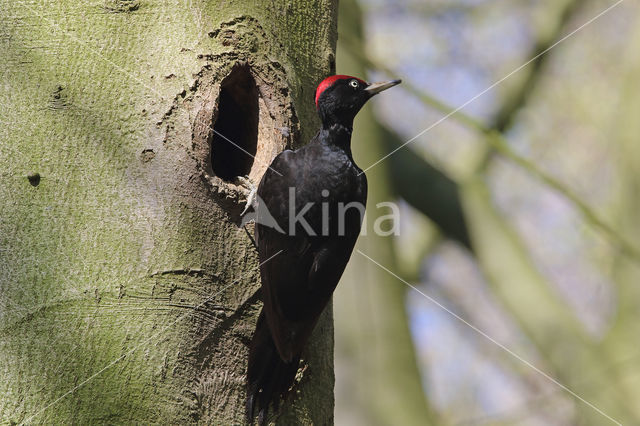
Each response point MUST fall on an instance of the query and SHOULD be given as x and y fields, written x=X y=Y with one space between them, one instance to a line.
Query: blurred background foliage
x=518 y=214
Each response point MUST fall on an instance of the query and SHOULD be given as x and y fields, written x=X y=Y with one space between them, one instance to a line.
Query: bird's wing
x=302 y=270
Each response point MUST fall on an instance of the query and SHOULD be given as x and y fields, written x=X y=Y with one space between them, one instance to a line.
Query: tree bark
x=128 y=288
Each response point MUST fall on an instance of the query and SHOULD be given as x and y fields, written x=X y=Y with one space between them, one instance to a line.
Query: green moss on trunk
x=127 y=289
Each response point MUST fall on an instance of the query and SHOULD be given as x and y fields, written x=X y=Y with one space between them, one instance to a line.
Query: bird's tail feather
x=268 y=377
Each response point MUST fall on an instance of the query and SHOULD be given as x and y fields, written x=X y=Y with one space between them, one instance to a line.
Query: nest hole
x=234 y=138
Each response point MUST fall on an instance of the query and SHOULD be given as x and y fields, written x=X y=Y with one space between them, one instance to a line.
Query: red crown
x=328 y=82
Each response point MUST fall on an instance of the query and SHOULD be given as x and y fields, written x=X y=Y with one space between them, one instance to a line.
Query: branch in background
x=499 y=142
x=427 y=189
x=550 y=325
x=519 y=98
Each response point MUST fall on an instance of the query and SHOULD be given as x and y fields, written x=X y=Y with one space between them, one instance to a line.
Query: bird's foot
x=250 y=191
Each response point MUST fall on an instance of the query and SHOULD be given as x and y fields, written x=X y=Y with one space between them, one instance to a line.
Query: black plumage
x=316 y=197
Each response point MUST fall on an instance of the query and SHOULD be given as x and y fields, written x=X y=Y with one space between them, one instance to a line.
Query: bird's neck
x=338 y=135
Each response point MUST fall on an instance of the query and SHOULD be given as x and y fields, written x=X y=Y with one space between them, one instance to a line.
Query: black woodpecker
x=315 y=198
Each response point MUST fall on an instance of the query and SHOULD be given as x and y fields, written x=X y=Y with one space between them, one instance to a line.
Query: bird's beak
x=374 y=88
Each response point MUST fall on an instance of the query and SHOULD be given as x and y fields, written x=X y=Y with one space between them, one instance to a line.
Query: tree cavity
x=234 y=138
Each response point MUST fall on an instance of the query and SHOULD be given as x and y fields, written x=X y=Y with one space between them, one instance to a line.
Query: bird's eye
x=354 y=84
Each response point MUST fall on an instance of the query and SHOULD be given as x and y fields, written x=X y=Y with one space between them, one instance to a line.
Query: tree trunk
x=128 y=288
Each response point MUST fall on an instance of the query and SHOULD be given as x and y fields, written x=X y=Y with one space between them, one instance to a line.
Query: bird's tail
x=268 y=377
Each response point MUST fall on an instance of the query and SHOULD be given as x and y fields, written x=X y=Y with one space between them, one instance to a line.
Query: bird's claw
x=250 y=192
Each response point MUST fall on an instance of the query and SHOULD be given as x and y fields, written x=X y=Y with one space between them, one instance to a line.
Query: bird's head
x=340 y=97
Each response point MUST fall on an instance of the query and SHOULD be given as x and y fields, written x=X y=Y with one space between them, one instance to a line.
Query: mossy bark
x=128 y=289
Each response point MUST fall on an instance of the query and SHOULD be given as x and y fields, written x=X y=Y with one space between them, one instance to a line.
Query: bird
x=314 y=199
